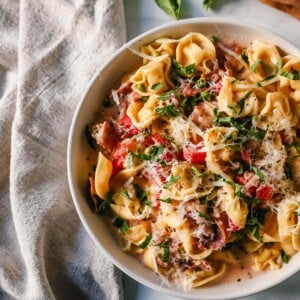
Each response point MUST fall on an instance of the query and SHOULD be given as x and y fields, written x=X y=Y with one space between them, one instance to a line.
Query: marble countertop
x=142 y=15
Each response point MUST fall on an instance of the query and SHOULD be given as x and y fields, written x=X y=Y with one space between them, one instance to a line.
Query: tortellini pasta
x=202 y=156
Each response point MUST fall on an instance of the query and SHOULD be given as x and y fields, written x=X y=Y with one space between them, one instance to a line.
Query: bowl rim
x=136 y=40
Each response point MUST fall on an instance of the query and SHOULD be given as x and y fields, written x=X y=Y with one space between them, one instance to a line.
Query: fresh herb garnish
x=196 y=171
x=254 y=222
x=167 y=95
x=152 y=154
x=213 y=39
x=259 y=173
x=292 y=74
x=141 y=194
x=121 y=224
x=146 y=242
x=259 y=84
x=125 y=194
x=156 y=86
x=205 y=96
x=201 y=83
x=254 y=66
x=167 y=200
x=168 y=110
x=141 y=87
x=172 y=180
x=205 y=216
x=241 y=103
x=284 y=256
x=144 y=98
x=166 y=254
x=104 y=204
x=244 y=55
x=171 y=7
x=181 y=70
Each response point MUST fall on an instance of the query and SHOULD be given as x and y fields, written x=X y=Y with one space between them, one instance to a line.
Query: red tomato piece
x=193 y=155
x=218 y=87
x=264 y=192
x=127 y=126
x=245 y=155
x=155 y=139
x=232 y=226
x=120 y=152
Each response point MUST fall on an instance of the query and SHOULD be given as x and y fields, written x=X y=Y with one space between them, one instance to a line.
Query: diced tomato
x=193 y=155
x=232 y=226
x=127 y=126
x=120 y=152
x=245 y=155
x=155 y=139
x=240 y=179
x=218 y=87
x=264 y=192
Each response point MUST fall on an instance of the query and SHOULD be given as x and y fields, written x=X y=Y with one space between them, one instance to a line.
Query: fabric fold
x=45 y=253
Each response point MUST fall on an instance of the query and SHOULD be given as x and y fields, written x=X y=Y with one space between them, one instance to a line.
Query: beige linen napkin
x=49 y=51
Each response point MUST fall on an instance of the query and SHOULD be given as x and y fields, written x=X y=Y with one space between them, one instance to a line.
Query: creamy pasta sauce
x=197 y=159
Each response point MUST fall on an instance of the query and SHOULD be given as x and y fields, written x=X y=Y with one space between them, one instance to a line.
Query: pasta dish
x=197 y=162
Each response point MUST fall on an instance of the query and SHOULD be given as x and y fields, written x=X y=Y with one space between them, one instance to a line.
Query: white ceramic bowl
x=123 y=61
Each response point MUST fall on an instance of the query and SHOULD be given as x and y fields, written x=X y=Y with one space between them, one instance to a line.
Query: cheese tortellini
x=198 y=168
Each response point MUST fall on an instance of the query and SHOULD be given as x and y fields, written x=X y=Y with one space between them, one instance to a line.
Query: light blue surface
x=142 y=15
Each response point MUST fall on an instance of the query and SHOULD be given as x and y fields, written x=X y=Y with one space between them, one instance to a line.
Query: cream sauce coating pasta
x=202 y=159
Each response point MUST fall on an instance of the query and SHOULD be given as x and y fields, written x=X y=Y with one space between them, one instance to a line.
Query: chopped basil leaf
x=205 y=96
x=141 y=194
x=172 y=180
x=125 y=194
x=259 y=173
x=144 y=98
x=292 y=74
x=256 y=234
x=196 y=171
x=279 y=67
x=153 y=153
x=146 y=242
x=121 y=224
x=167 y=200
x=181 y=70
x=168 y=110
x=254 y=66
x=284 y=256
x=201 y=83
x=214 y=39
x=241 y=103
x=166 y=254
x=259 y=84
x=171 y=7
x=258 y=134
x=104 y=204
x=204 y=216
x=141 y=87
x=156 y=86
x=167 y=95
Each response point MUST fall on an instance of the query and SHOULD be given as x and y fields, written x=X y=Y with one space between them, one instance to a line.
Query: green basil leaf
x=141 y=195
x=171 y=7
x=146 y=242
x=284 y=256
x=156 y=86
x=241 y=103
x=181 y=70
x=121 y=224
x=172 y=180
x=106 y=202
x=259 y=173
x=196 y=171
x=167 y=200
x=166 y=254
x=292 y=74
x=168 y=110
x=254 y=66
